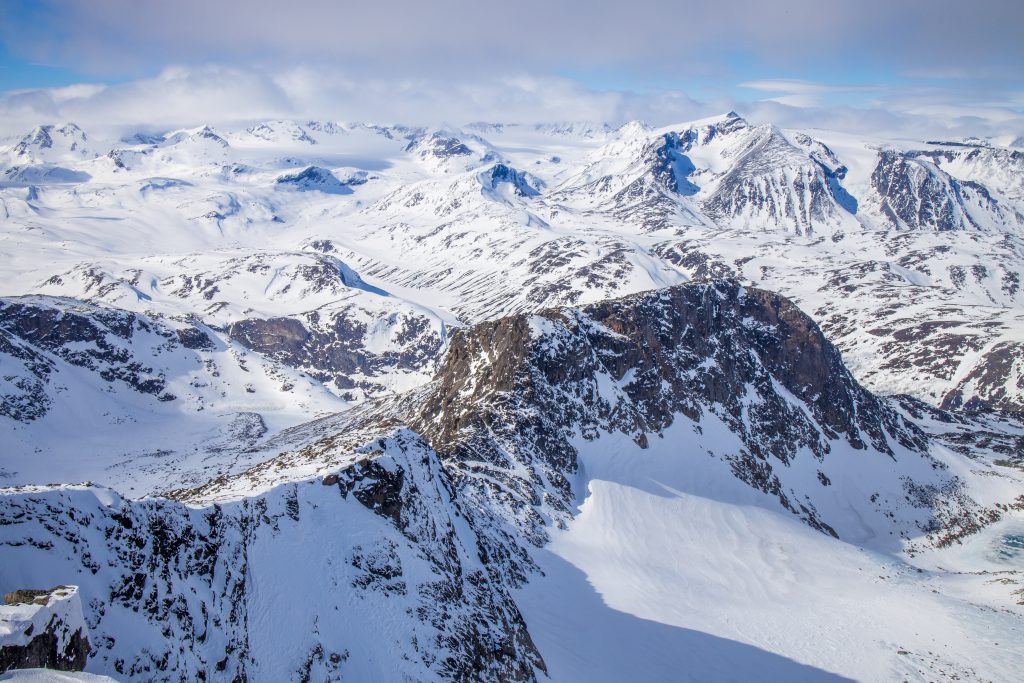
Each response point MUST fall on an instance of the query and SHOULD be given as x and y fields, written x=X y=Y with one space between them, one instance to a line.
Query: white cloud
x=802 y=87
x=183 y=96
x=802 y=93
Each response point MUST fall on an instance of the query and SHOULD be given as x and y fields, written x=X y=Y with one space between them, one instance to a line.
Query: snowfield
x=696 y=583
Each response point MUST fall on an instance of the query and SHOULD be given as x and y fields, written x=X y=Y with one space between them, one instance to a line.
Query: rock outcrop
x=43 y=629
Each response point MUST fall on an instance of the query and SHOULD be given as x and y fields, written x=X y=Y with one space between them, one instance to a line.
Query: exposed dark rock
x=988 y=383
x=519 y=181
x=315 y=178
x=334 y=350
x=667 y=336
x=62 y=643
x=918 y=195
x=43 y=652
x=29 y=596
x=35 y=331
x=512 y=398
x=185 y=571
x=194 y=338
x=439 y=145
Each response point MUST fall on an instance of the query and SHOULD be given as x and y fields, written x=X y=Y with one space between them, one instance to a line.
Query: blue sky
x=19 y=72
x=908 y=57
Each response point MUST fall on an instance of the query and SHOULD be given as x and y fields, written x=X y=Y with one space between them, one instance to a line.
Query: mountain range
x=317 y=400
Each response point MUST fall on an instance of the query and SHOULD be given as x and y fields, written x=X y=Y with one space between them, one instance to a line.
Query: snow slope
x=51 y=676
x=675 y=569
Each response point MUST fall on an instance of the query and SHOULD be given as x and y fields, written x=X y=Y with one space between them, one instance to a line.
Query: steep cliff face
x=370 y=573
x=43 y=629
x=917 y=193
x=520 y=399
x=682 y=348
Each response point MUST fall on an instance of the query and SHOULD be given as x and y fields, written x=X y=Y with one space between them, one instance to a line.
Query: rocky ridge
x=428 y=508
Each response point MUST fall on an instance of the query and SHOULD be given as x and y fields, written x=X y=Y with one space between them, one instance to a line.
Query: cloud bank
x=185 y=96
x=910 y=68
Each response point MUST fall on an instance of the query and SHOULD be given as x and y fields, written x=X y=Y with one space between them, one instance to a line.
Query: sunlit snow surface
x=671 y=572
x=51 y=676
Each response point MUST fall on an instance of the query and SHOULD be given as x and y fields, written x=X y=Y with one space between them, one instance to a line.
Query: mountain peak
x=53 y=142
x=315 y=178
x=632 y=129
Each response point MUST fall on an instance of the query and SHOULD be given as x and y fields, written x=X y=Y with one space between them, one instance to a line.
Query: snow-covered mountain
x=419 y=381
x=423 y=522
x=470 y=228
